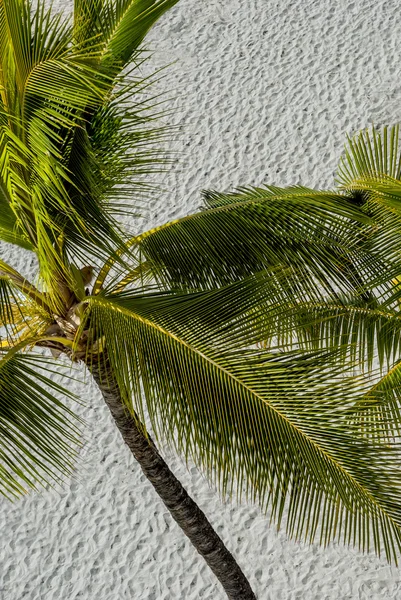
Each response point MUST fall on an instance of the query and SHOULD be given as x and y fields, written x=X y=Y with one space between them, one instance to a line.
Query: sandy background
x=265 y=92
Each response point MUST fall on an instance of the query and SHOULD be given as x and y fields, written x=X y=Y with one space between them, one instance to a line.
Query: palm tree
x=247 y=332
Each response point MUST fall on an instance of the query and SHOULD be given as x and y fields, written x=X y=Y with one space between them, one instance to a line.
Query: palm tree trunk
x=183 y=509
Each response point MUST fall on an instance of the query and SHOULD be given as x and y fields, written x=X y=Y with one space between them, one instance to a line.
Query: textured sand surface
x=265 y=92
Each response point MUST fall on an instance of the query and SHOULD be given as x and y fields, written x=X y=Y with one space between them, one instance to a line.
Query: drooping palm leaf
x=266 y=310
x=8 y=224
x=39 y=435
x=276 y=425
x=119 y=147
x=127 y=23
x=370 y=171
x=320 y=235
x=45 y=86
x=25 y=287
x=368 y=332
x=10 y=313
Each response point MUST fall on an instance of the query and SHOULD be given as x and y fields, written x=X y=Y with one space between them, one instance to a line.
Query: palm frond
x=124 y=25
x=25 y=287
x=10 y=314
x=243 y=233
x=66 y=134
x=367 y=332
x=87 y=22
x=371 y=153
x=46 y=86
x=120 y=146
x=25 y=314
x=39 y=435
x=8 y=224
x=377 y=413
x=275 y=425
x=380 y=189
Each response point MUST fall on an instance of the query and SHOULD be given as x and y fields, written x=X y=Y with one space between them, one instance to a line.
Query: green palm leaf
x=378 y=411
x=247 y=232
x=371 y=153
x=46 y=86
x=8 y=303
x=66 y=136
x=129 y=23
x=24 y=287
x=274 y=425
x=367 y=332
x=38 y=433
x=8 y=223
x=119 y=26
x=370 y=172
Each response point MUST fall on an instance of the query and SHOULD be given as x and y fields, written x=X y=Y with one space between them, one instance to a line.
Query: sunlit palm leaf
x=366 y=331
x=381 y=405
x=129 y=25
x=110 y=158
x=370 y=171
x=55 y=167
x=274 y=425
x=25 y=287
x=10 y=315
x=46 y=85
x=371 y=153
x=24 y=312
x=263 y=310
x=120 y=26
x=8 y=224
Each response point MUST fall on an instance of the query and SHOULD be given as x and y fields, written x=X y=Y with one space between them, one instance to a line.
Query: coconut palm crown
x=260 y=335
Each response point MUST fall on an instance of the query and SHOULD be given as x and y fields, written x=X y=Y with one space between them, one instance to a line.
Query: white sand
x=265 y=92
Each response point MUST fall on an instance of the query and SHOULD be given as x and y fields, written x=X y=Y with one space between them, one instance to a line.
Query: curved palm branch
x=370 y=172
x=263 y=310
x=255 y=229
x=369 y=337
x=274 y=425
x=367 y=332
x=45 y=88
x=18 y=318
x=118 y=27
x=24 y=286
x=8 y=224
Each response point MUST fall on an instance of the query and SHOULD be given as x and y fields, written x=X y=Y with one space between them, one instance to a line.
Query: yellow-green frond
x=371 y=153
x=274 y=424
x=69 y=142
x=117 y=26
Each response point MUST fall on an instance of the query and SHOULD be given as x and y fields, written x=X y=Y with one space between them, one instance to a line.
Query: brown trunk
x=183 y=509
